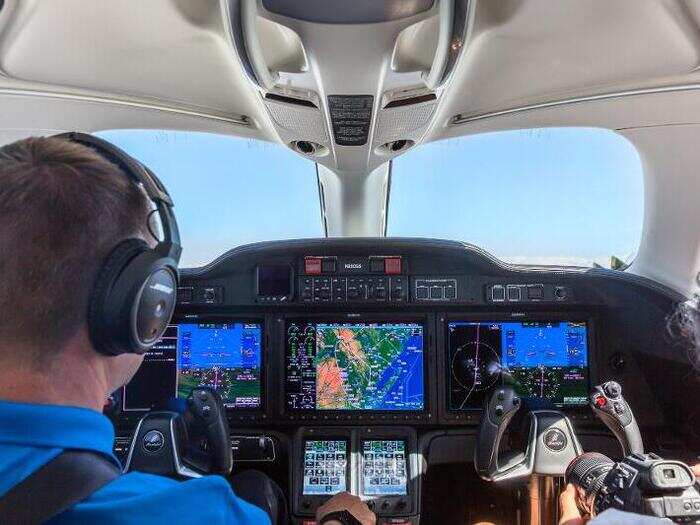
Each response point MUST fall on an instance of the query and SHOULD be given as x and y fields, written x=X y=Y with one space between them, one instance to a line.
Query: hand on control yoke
x=569 y=513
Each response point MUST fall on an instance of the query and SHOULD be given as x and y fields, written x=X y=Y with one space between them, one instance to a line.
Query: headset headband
x=143 y=177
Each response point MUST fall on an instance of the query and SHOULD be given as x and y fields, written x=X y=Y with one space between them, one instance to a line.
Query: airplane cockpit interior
x=435 y=253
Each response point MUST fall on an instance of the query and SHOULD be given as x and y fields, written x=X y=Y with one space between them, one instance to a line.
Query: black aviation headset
x=134 y=295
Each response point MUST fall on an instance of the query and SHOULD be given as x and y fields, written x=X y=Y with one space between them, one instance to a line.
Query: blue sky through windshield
x=228 y=191
x=554 y=196
x=547 y=196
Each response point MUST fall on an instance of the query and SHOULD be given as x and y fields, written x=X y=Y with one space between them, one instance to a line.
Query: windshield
x=228 y=191
x=556 y=196
x=559 y=196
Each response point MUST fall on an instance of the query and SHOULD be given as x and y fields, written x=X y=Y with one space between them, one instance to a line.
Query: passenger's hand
x=696 y=470
x=569 y=513
x=352 y=504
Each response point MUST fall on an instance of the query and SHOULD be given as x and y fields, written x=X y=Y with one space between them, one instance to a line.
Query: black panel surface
x=351 y=116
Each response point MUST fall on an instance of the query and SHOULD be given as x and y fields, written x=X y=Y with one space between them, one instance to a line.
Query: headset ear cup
x=100 y=312
x=153 y=304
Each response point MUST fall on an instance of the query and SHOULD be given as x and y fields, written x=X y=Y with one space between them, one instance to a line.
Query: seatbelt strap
x=66 y=480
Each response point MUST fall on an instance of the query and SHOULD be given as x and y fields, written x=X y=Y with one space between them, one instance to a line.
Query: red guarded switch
x=600 y=401
x=392 y=265
x=312 y=265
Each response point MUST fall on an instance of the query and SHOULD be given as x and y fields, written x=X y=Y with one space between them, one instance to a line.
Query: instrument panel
x=354 y=357
x=366 y=367
x=382 y=332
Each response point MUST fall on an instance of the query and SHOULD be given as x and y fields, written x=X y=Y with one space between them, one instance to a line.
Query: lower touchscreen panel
x=226 y=356
x=384 y=470
x=325 y=467
x=545 y=360
x=354 y=366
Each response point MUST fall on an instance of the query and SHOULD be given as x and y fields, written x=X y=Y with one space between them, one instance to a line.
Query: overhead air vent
x=410 y=101
x=289 y=100
x=394 y=147
x=309 y=148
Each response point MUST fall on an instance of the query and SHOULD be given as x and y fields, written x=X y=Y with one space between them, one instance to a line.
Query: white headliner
x=627 y=65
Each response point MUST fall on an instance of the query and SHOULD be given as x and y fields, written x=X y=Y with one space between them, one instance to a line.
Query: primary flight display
x=354 y=366
x=546 y=360
x=224 y=356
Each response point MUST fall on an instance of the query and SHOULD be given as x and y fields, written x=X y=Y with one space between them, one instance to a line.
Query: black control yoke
x=552 y=443
x=184 y=445
x=608 y=404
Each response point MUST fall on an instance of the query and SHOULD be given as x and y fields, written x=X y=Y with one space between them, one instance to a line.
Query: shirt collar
x=55 y=426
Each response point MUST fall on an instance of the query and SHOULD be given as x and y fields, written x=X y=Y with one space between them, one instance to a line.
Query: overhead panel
x=359 y=68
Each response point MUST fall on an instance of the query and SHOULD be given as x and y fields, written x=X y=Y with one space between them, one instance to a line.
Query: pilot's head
x=62 y=209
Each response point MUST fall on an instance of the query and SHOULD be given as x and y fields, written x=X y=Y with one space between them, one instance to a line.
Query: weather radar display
x=354 y=366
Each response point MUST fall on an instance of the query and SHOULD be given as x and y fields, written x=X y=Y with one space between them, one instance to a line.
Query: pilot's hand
x=569 y=513
x=352 y=504
x=696 y=470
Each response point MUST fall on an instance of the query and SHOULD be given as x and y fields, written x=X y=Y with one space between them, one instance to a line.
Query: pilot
x=63 y=208
x=684 y=328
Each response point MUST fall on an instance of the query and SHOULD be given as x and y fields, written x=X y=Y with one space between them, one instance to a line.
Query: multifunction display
x=384 y=468
x=325 y=467
x=543 y=360
x=225 y=356
x=354 y=366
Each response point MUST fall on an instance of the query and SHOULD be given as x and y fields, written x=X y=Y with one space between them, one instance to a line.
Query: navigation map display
x=545 y=360
x=225 y=356
x=325 y=467
x=384 y=468
x=354 y=366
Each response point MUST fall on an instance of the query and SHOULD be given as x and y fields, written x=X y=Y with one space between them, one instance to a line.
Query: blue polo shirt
x=32 y=435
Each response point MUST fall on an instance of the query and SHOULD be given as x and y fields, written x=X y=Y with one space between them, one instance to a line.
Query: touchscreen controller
x=384 y=468
x=542 y=360
x=325 y=467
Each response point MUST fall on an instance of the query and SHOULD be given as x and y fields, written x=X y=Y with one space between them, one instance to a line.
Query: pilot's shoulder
x=139 y=498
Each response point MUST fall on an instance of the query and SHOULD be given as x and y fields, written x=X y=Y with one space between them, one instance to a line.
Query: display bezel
x=336 y=416
x=307 y=504
x=224 y=318
x=348 y=454
x=275 y=297
x=386 y=504
x=361 y=469
x=540 y=316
